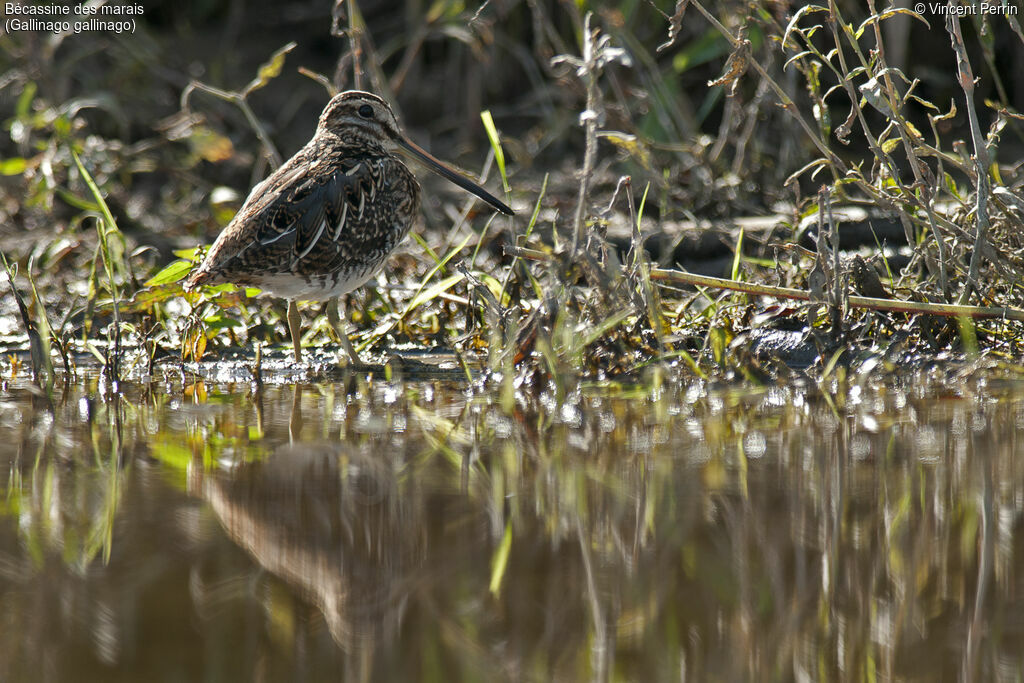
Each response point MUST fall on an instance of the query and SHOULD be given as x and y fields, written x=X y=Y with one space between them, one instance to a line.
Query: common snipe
x=327 y=219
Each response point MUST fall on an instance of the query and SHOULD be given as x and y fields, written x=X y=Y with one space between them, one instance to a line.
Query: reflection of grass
x=101 y=535
x=67 y=514
x=73 y=515
x=632 y=530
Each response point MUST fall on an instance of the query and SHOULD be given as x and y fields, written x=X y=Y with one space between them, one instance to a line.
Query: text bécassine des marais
x=16 y=8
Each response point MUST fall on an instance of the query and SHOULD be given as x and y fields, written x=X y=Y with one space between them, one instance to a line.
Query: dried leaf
x=631 y=144
x=675 y=25
x=210 y=145
x=734 y=68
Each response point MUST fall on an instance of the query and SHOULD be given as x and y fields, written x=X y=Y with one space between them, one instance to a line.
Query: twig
x=597 y=51
x=896 y=305
x=966 y=77
x=590 y=120
x=915 y=162
x=408 y=59
x=239 y=100
x=838 y=289
x=785 y=100
x=355 y=39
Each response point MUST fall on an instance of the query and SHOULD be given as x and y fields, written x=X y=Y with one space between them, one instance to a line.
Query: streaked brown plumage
x=327 y=219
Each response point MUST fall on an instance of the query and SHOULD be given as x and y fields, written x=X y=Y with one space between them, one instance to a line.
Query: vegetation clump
x=728 y=190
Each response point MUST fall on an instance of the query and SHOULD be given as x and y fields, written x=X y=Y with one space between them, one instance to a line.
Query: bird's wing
x=329 y=206
x=267 y=191
x=296 y=219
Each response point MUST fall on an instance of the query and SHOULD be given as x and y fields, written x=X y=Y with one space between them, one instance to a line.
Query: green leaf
x=797 y=16
x=494 y=285
x=13 y=166
x=110 y=236
x=145 y=299
x=420 y=295
x=78 y=202
x=889 y=145
x=224 y=287
x=111 y=224
x=172 y=273
x=737 y=256
x=499 y=153
x=598 y=331
x=219 y=322
x=951 y=186
x=889 y=13
x=817 y=164
x=798 y=56
x=187 y=254
x=643 y=203
x=270 y=69
x=968 y=335
x=21 y=109
x=431 y=293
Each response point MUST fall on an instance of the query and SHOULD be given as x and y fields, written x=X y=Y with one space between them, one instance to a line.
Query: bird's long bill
x=465 y=183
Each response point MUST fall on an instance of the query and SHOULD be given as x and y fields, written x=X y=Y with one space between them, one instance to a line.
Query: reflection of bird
x=324 y=222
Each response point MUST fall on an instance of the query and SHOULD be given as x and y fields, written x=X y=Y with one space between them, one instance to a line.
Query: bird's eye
x=366 y=111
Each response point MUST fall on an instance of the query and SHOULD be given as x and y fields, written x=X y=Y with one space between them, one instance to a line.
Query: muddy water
x=401 y=531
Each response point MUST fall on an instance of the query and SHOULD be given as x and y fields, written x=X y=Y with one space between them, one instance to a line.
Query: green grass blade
x=499 y=153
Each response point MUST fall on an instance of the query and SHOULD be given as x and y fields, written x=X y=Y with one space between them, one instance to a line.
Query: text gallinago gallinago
x=327 y=219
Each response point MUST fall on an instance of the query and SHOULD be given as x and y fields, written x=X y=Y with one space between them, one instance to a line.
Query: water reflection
x=330 y=524
x=416 y=531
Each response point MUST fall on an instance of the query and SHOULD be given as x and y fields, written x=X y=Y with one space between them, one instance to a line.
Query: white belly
x=296 y=288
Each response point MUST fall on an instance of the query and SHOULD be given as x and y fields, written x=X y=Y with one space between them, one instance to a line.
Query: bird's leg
x=295 y=419
x=336 y=316
x=295 y=327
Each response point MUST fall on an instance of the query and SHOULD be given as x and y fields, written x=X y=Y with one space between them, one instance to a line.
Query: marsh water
x=371 y=529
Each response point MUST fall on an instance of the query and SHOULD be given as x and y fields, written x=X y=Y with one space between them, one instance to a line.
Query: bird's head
x=362 y=119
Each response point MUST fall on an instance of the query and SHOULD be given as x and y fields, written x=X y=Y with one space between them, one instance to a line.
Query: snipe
x=327 y=219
